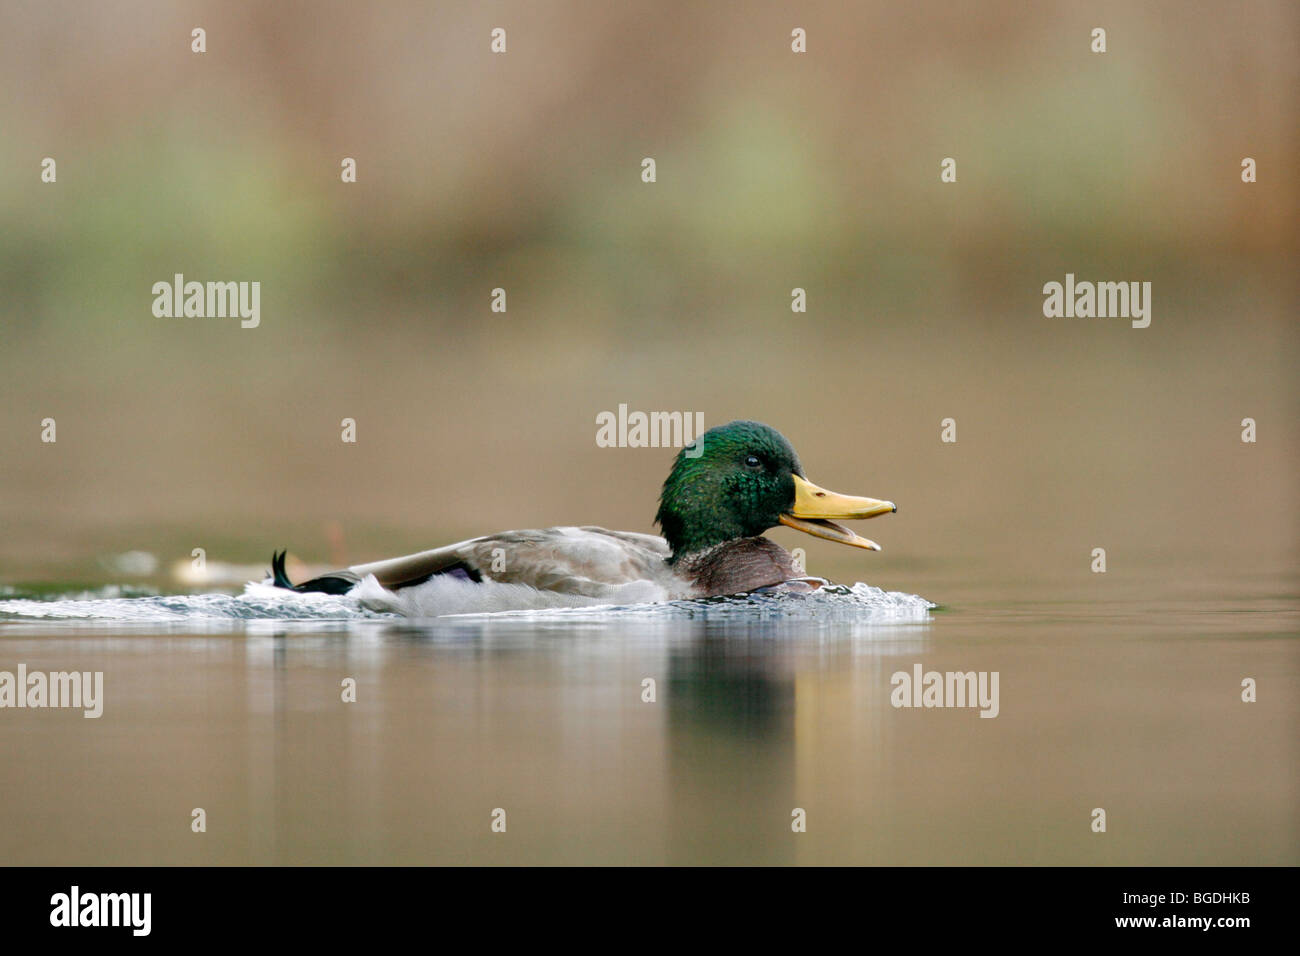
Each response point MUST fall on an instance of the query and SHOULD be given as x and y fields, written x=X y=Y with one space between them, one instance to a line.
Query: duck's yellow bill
x=814 y=507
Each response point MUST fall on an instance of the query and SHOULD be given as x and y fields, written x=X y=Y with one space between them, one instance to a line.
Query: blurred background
x=522 y=171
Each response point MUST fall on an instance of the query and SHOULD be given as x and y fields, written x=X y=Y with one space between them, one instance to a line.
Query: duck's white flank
x=450 y=594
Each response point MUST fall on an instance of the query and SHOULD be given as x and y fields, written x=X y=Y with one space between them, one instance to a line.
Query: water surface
x=1119 y=695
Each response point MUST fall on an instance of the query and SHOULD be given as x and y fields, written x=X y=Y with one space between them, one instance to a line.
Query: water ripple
x=834 y=603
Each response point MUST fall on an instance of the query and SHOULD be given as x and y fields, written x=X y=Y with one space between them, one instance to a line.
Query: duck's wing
x=587 y=561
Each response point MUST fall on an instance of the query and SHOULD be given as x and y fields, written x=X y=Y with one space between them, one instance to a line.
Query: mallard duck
x=735 y=482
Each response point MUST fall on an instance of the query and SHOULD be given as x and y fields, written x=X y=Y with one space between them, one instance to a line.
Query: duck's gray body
x=554 y=567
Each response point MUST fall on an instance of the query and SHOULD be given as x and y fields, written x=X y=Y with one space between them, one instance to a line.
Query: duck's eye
x=752 y=461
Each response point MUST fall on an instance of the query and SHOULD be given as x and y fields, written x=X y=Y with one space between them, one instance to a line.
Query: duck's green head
x=739 y=479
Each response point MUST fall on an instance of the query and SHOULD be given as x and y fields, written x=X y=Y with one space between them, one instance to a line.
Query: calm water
x=1121 y=695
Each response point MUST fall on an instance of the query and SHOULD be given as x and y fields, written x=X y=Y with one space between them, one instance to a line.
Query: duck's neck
x=731 y=567
x=690 y=538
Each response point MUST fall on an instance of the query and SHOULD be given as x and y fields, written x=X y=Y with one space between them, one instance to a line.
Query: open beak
x=814 y=507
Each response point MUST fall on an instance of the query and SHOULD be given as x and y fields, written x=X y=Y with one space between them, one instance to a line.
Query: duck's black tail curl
x=278 y=572
x=327 y=584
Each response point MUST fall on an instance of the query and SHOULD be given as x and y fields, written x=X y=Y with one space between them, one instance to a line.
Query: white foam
x=446 y=596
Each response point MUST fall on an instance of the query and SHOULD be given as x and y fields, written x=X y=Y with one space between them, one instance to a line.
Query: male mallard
x=713 y=510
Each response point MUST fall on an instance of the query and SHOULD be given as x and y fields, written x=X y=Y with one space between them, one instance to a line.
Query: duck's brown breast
x=744 y=564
